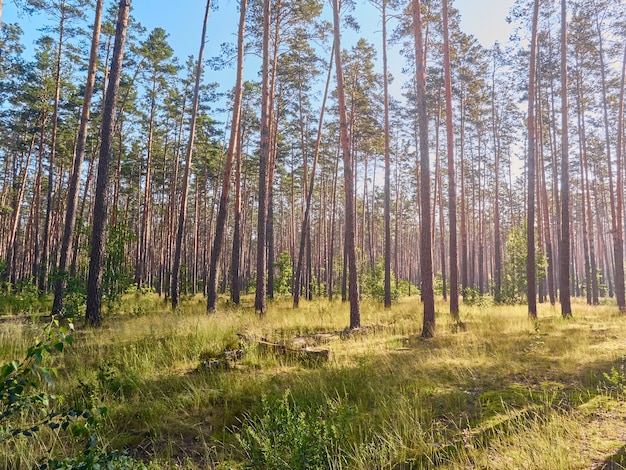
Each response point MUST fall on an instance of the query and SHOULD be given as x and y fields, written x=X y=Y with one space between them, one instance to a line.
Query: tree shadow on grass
x=617 y=461
x=190 y=411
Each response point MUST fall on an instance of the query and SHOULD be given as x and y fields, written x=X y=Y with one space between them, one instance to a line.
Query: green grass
x=504 y=393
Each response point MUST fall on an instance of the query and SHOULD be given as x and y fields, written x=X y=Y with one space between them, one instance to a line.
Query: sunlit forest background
x=263 y=260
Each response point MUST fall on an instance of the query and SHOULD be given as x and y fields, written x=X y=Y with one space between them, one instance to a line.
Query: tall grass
x=504 y=393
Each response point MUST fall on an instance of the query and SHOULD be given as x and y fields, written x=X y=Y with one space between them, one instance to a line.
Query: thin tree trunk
x=93 y=313
x=45 y=252
x=619 y=226
x=11 y=250
x=235 y=265
x=564 y=252
x=530 y=215
x=350 y=248
x=222 y=214
x=182 y=216
x=260 y=301
x=387 y=188
x=306 y=217
x=426 y=255
x=464 y=261
x=331 y=255
x=543 y=201
x=453 y=250
x=583 y=197
x=79 y=156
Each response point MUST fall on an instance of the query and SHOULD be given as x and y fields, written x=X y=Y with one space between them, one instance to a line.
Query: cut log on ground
x=306 y=355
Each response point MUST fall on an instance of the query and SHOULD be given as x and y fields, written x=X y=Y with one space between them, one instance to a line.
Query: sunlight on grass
x=503 y=392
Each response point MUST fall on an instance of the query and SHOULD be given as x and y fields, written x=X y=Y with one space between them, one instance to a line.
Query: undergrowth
x=504 y=393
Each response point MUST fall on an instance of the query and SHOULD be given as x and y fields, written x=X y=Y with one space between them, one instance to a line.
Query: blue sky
x=182 y=19
x=485 y=19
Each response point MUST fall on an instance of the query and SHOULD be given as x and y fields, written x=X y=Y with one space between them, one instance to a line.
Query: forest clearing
x=501 y=393
x=343 y=235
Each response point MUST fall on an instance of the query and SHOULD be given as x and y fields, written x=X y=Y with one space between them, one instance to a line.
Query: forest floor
x=191 y=390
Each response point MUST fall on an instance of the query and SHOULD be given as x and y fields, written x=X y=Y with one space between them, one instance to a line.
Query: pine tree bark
x=79 y=157
x=182 y=215
x=426 y=255
x=309 y=196
x=464 y=236
x=233 y=149
x=260 y=300
x=11 y=249
x=45 y=252
x=531 y=287
x=452 y=202
x=235 y=264
x=93 y=313
x=387 y=188
x=619 y=209
x=564 y=251
x=350 y=245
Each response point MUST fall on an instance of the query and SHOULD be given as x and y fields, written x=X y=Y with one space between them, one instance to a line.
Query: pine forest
x=340 y=235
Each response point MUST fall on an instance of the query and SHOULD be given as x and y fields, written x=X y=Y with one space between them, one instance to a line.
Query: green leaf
x=8 y=369
x=59 y=346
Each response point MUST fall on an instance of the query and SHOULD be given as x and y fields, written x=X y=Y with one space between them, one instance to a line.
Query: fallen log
x=225 y=361
x=306 y=354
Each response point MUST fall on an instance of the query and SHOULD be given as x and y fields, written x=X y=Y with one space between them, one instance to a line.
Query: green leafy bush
x=25 y=405
x=93 y=458
x=287 y=437
x=282 y=284
x=514 y=285
x=22 y=298
x=472 y=296
x=374 y=283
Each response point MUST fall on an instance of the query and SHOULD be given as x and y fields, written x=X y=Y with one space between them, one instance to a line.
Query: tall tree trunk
x=331 y=243
x=564 y=251
x=79 y=157
x=619 y=236
x=11 y=249
x=307 y=209
x=45 y=252
x=222 y=214
x=387 y=190
x=426 y=255
x=235 y=264
x=616 y=229
x=543 y=203
x=530 y=214
x=182 y=216
x=583 y=193
x=350 y=248
x=453 y=250
x=464 y=260
x=144 y=244
x=260 y=301
x=93 y=313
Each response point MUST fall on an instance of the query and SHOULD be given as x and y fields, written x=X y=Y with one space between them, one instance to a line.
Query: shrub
x=287 y=437
x=282 y=284
x=26 y=407
x=374 y=284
